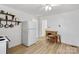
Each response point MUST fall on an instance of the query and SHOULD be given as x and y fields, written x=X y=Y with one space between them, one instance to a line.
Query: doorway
x=44 y=27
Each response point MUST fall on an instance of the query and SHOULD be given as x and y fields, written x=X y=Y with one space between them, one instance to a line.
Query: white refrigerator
x=29 y=32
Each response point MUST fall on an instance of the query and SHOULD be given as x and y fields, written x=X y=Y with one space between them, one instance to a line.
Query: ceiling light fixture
x=49 y=7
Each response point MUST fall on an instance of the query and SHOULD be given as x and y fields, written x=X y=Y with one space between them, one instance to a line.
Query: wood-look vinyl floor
x=44 y=47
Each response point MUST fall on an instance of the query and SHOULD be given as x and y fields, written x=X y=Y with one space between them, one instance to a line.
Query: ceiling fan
x=48 y=7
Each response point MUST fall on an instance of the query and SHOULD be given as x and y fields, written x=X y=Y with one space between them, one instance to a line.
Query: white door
x=44 y=26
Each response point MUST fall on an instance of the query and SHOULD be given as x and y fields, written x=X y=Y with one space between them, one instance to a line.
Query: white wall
x=69 y=29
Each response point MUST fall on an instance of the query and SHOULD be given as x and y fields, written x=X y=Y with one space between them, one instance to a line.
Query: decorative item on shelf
x=15 y=22
x=1 y=25
x=11 y=25
x=6 y=25
x=18 y=23
x=2 y=12
x=8 y=18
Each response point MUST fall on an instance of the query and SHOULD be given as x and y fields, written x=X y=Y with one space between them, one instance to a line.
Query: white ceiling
x=36 y=9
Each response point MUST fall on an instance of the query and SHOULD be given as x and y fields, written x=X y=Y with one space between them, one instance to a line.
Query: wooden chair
x=53 y=36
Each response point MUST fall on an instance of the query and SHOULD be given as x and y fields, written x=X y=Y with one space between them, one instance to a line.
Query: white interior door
x=44 y=26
